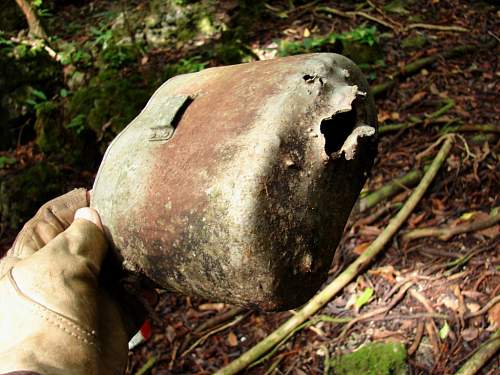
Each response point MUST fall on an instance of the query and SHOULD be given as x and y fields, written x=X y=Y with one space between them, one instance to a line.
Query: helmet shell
x=235 y=183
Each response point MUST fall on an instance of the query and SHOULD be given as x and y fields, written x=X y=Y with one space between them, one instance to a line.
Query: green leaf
x=467 y=216
x=64 y=93
x=39 y=94
x=396 y=6
x=6 y=160
x=444 y=331
x=364 y=298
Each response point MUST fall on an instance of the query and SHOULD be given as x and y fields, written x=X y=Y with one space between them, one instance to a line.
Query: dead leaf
x=414 y=220
x=370 y=231
x=359 y=249
x=382 y=116
x=417 y=97
x=394 y=116
x=232 y=340
x=450 y=302
x=438 y=204
x=494 y=316
x=469 y=334
x=387 y=272
x=473 y=307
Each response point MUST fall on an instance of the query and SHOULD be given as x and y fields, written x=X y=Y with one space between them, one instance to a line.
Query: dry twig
x=436 y=27
x=445 y=233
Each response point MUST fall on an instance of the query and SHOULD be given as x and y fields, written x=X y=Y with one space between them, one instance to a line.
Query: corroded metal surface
x=246 y=200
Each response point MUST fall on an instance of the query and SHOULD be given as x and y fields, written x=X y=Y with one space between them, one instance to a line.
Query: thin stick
x=375 y=312
x=486 y=307
x=416 y=65
x=436 y=27
x=340 y=13
x=390 y=189
x=445 y=233
x=320 y=299
x=147 y=366
x=482 y=355
x=212 y=332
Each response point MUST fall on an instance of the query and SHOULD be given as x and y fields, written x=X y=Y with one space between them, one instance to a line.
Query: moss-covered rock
x=23 y=191
x=372 y=359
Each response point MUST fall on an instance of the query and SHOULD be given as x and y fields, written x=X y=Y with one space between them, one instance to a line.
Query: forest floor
x=440 y=295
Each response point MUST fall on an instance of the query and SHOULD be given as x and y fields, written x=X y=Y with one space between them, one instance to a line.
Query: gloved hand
x=55 y=318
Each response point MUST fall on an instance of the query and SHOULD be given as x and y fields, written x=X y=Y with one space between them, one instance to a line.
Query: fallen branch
x=436 y=27
x=38 y=43
x=34 y=24
x=445 y=233
x=423 y=62
x=390 y=189
x=482 y=355
x=354 y=14
x=320 y=299
x=484 y=128
x=428 y=119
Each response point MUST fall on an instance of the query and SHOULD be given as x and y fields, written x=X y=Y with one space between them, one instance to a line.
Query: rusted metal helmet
x=235 y=183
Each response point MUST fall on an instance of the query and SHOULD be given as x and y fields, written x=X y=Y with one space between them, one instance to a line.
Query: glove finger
x=50 y=220
x=63 y=275
x=83 y=239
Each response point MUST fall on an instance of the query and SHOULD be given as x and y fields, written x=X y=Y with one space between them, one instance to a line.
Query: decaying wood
x=36 y=28
x=320 y=299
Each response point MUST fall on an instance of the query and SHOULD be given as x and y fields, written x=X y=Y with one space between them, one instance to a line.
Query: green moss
x=22 y=192
x=48 y=128
x=109 y=102
x=372 y=359
x=362 y=53
x=413 y=42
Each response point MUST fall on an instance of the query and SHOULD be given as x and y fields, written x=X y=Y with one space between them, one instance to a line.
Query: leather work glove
x=55 y=317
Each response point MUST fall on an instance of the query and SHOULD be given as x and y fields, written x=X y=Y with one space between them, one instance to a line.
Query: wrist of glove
x=55 y=315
